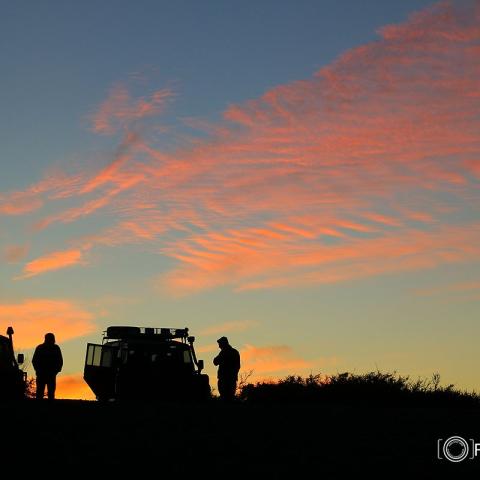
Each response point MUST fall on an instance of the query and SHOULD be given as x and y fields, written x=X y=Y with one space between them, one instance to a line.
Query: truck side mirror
x=20 y=358
x=200 y=365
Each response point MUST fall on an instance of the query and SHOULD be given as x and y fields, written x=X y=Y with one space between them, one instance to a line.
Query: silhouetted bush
x=373 y=388
x=30 y=387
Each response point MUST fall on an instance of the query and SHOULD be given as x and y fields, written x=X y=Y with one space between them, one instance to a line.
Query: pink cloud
x=269 y=262
x=386 y=118
x=54 y=185
x=19 y=204
x=110 y=172
x=354 y=172
x=119 y=110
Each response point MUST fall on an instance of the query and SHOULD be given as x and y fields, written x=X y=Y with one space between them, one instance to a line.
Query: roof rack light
x=124 y=332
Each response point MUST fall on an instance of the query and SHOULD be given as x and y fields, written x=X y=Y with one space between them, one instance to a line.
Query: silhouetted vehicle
x=13 y=380
x=145 y=363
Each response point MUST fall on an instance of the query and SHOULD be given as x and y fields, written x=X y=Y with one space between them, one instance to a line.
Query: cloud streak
x=52 y=261
x=119 y=110
x=273 y=359
x=369 y=167
x=248 y=260
x=33 y=317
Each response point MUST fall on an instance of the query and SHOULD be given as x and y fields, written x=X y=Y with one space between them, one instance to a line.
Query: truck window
x=98 y=356
x=90 y=350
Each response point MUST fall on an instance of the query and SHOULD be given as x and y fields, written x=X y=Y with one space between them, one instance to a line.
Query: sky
x=302 y=177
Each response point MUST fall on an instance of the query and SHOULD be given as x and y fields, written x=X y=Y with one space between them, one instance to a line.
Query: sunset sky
x=302 y=177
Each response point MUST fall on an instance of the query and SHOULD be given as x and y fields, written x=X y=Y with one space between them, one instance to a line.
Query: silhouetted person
x=228 y=361
x=47 y=362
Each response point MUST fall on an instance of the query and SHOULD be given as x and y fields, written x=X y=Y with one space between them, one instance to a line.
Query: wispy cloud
x=371 y=166
x=349 y=143
x=34 y=317
x=119 y=110
x=111 y=172
x=55 y=185
x=52 y=261
x=248 y=260
x=19 y=204
x=272 y=359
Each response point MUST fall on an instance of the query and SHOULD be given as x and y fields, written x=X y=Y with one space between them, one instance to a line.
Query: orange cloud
x=52 y=261
x=73 y=387
x=54 y=185
x=316 y=181
x=355 y=140
x=271 y=359
x=19 y=205
x=269 y=262
x=121 y=157
x=34 y=317
x=119 y=109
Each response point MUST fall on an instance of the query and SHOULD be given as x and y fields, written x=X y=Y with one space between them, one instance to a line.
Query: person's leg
x=51 y=386
x=227 y=388
x=221 y=388
x=231 y=389
x=40 y=387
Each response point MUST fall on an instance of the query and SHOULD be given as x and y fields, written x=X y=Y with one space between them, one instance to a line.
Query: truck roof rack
x=124 y=332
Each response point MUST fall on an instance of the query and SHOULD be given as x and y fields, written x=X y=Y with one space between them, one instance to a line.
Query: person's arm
x=59 y=360
x=35 y=359
x=238 y=360
x=218 y=359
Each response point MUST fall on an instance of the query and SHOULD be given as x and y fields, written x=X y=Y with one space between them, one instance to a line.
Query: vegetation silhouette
x=374 y=388
x=337 y=426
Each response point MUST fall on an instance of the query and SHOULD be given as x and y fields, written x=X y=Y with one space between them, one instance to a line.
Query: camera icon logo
x=455 y=449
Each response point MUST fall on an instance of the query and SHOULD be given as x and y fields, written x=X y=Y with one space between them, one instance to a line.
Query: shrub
x=372 y=388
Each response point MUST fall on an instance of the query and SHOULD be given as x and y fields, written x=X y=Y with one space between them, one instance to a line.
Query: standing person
x=47 y=362
x=228 y=361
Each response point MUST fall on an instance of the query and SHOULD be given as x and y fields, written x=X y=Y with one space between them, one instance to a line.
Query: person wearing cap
x=228 y=362
x=47 y=362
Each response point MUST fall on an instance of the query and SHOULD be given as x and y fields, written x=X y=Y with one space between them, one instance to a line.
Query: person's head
x=49 y=338
x=222 y=342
